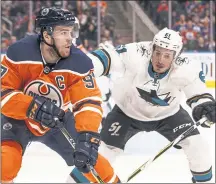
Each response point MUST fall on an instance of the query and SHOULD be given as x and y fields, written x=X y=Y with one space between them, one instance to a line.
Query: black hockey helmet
x=47 y=18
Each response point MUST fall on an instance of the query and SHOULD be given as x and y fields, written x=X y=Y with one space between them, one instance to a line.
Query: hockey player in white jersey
x=148 y=95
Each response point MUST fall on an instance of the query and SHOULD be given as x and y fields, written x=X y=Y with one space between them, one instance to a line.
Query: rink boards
x=207 y=61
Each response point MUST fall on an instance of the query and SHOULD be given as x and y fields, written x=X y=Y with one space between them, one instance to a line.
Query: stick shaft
x=174 y=142
x=72 y=143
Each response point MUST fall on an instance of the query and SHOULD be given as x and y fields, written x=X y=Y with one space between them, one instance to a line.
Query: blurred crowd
x=190 y=17
x=17 y=23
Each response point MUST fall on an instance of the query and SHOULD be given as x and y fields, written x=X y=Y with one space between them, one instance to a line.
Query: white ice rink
x=42 y=165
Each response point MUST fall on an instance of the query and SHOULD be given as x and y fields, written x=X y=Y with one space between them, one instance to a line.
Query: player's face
x=162 y=59
x=63 y=39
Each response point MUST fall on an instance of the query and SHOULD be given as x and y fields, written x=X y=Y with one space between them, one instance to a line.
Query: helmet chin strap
x=53 y=46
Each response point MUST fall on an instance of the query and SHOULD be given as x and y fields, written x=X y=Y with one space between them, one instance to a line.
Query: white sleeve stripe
x=5 y=100
x=96 y=98
x=24 y=62
x=36 y=127
x=112 y=179
x=67 y=106
x=73 y=72
x=88 y=109
x=200 y=101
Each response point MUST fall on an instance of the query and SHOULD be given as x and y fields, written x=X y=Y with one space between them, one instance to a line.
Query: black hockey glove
x=207 y=109
x=86 y=150
x=45 y=112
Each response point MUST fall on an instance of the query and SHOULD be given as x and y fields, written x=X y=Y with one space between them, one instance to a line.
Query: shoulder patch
x=142 y=49
x=182 y=60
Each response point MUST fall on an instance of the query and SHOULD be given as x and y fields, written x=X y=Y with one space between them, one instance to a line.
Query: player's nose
x=69 y=39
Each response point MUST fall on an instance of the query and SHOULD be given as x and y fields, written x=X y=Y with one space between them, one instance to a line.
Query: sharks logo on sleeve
x=142 y=49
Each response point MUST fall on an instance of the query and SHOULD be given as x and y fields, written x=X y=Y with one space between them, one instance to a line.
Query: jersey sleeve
x=191 y=80
x=107 y=59
x=86 y=99
x=14 y=103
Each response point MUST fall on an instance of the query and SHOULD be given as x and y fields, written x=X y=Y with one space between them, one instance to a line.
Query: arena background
x=121 y=22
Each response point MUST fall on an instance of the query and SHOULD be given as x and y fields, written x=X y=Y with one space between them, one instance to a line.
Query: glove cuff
x=91 y=137
x=32 y=112
x=195 y=100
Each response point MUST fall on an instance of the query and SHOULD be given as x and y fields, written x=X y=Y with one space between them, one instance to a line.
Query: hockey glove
x=205 y=109
x=86 y=150
x=45 y=112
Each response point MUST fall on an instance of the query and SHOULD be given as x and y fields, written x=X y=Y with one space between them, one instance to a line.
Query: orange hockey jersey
x=69 y=84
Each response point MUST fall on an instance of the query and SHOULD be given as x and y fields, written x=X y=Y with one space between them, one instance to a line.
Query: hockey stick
x=72 y=143
x=174 y=142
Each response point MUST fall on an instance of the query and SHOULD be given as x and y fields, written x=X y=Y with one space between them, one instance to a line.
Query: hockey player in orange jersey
x=45 y=77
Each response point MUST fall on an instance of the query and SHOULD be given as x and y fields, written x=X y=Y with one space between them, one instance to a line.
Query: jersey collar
x=156 y=75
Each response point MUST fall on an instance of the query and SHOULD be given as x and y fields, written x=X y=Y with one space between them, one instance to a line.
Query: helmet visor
x=66 y=31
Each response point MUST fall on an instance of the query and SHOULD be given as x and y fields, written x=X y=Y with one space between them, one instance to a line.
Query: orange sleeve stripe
x=88 y=121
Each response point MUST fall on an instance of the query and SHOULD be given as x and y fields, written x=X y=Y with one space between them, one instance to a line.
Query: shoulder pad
x=183 y=64
x=77 y=62
x=26 y=49
x=185 y=70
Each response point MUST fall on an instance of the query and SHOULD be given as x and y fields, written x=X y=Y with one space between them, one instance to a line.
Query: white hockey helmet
x=77 y=27
x=169 y=39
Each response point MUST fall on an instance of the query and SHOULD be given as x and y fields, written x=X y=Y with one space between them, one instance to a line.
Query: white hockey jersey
x=138 y=91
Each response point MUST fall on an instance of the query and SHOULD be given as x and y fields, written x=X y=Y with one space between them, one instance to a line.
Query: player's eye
x=167 y=56
x=157 y=53
x=64 y=32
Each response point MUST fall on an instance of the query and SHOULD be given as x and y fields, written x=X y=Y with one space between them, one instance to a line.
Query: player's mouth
x=160 y=66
